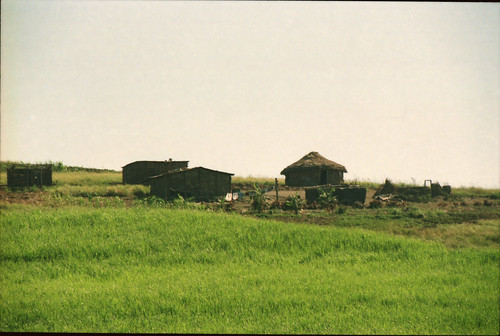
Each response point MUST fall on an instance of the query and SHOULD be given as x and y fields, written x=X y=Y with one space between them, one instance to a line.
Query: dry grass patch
x=82 y=178
x=485 y=233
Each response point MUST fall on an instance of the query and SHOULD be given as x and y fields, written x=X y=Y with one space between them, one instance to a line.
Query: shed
x=313 y=169
x=139 y=171
x=201 y=183
x=22 y=176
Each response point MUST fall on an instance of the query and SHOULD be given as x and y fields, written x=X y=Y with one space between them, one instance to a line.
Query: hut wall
x=335 y=177
x=302 y=177
x=312 y=176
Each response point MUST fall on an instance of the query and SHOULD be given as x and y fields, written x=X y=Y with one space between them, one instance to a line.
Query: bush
x=415 y=212
x=294 y=203
x=358 y=205
x=140 y=192
x=417 y=198
x=314 y=205
x=259 y=202
x=152 y=201
x=225 y=205
x=276 y=205
x=340 y=210
x=375 y=204
x=327 y=200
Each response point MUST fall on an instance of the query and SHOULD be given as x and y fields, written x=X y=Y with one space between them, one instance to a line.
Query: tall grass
x=93 y=184
x=368 y=184
x=83 y=178
x=162 y=271
x=100 y=190
x=57 y=166
x=72 y=175
x=250 y=180
x=477 y=192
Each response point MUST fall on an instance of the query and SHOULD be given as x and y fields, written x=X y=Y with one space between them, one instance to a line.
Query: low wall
x=344 y=194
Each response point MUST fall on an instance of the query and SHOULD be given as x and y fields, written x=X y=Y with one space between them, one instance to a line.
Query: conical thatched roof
x=314 y=159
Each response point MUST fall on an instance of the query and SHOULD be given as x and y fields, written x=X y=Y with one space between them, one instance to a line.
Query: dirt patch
x=23 y=197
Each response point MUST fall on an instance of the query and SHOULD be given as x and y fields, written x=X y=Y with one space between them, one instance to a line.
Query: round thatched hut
x=313 y=169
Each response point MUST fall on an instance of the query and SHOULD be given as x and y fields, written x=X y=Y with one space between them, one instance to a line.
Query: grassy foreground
x=148 y=270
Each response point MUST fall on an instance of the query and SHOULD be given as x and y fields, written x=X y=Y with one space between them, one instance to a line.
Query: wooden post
x=276 y=187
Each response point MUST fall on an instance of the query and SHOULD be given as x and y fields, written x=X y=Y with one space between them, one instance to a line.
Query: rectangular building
x=138 y=172
x=23 y=176
x=201 y=183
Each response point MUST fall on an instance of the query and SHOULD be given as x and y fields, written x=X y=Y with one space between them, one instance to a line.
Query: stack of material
x=385 y=189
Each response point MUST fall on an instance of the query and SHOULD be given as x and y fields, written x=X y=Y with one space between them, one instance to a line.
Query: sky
x=406 y=91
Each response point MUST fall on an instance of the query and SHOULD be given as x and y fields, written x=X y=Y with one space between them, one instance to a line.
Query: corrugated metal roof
x=183 y=170
x=145 y=161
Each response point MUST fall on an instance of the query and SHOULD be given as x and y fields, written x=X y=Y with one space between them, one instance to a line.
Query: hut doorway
x=323 y=177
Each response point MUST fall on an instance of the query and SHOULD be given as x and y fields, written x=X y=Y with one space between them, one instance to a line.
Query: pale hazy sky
x=399 y=90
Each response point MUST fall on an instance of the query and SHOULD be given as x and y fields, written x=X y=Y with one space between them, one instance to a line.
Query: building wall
x=201 y=184
x=139 y=172
x=20 y=177
x=159 y=187
x=335 y=177
x=312 y=176
x=302 y=177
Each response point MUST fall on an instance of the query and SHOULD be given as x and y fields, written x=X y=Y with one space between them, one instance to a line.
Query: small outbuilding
x=138 y=172
x=23 y=176
x=313 y=169
x=201 y=183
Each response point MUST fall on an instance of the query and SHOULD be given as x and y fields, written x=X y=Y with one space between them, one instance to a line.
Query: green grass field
x=151 y=270
x=93 y=255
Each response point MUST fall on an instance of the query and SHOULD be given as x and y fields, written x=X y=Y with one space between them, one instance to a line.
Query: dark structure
x=138 y=172
x=22 y=176
x=350 y=194
x=405 y=193
x=438 y=190
x=414 y=192
x=346 y=194
x=201 y=183
x=313 y=169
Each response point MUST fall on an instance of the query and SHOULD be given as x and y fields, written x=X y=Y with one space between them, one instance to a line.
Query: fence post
x=276 y=187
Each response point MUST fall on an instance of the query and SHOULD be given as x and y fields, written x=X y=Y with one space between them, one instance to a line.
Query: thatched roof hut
x=314 y=169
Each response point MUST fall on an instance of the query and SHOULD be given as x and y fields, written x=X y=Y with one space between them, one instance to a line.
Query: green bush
x=415 y=212
x=259 y=201
x=327 y=200
x=293 y=202
x=341 y=210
